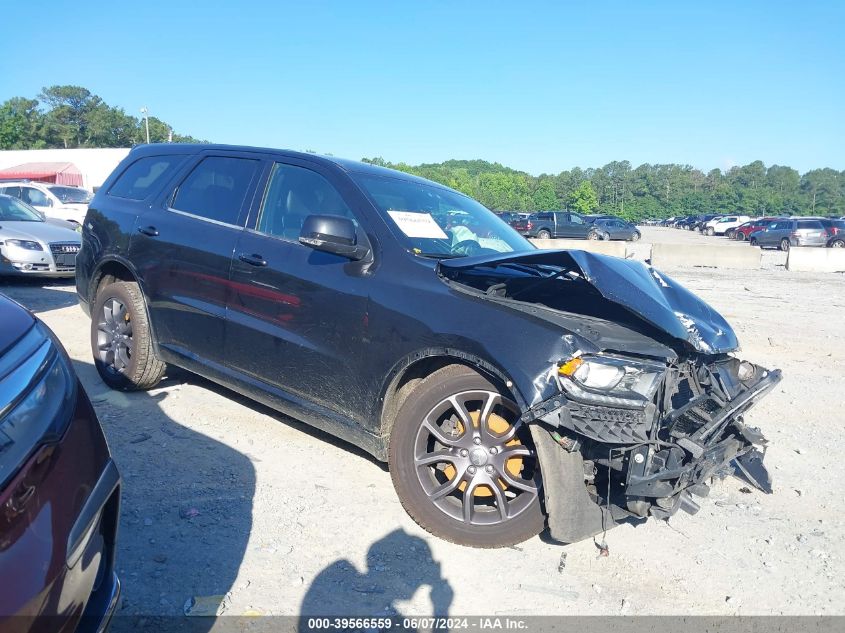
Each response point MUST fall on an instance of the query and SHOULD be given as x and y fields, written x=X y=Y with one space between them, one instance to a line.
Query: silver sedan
x=33 y=245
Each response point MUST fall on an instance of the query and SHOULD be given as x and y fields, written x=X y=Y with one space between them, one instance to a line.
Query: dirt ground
x=224 y=497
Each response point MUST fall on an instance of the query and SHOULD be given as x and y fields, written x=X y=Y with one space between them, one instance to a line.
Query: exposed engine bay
x=627 y=434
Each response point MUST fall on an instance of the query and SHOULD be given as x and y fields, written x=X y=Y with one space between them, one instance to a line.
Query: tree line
x=72 y=117
x=647 y=191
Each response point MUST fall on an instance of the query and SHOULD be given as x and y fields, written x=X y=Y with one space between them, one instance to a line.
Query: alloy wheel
x=114 y=336
x=471 y=462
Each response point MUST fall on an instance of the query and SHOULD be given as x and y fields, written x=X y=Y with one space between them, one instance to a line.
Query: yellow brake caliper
x=499 y=426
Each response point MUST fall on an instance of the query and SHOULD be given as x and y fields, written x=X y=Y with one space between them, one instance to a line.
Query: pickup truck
x=550 y=224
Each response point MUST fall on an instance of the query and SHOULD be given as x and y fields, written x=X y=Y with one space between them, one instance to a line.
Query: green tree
x=21 y=125
x=584 y=199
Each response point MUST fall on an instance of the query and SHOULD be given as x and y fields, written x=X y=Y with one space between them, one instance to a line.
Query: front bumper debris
x=654 y=461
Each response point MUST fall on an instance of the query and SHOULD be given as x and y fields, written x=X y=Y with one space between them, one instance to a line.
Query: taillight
x=529 y=225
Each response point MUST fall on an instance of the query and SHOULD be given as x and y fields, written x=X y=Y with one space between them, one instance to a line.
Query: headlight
x=37 y=391
x=609 y=380
x=27 y=244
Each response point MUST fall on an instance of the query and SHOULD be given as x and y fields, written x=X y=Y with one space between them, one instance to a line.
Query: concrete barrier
x=816 y=260
x=617 y=248
x=690 y=255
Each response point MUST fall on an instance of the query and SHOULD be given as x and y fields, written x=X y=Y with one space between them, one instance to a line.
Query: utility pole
x=145 y=112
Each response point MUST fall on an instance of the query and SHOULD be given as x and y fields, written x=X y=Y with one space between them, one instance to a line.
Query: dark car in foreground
x=613 y=229
x=59 y=488
x=404 y=317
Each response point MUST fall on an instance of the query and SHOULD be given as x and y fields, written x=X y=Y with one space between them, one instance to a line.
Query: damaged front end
x=650 y=457
x=645 y=428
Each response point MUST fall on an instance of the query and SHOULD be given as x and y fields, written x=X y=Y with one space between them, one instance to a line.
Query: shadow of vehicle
x=186 y=513
x=397 y=566
x=40 y=294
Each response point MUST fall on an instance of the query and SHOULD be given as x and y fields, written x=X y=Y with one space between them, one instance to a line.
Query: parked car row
x=766 y=232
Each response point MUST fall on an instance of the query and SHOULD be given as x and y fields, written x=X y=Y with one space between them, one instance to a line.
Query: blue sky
x=538 y=86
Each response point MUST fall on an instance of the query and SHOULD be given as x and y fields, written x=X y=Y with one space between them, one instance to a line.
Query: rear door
x=36 y=198
x=296 y=316
x=183 y=250
x=578 y=227
x=775 y=233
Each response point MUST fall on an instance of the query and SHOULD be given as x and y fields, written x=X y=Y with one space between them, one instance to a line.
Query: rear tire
x=543 y=235
x=784 y=244
x=121 y=341
x=435 y=457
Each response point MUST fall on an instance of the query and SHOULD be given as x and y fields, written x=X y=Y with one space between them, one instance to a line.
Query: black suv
x=407 y=319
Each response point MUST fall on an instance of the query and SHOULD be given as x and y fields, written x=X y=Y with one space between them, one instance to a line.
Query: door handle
x=252 y=260
x=148 y=230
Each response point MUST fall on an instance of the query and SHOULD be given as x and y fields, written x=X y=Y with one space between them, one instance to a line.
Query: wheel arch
x=118 y=269
x=409 y=371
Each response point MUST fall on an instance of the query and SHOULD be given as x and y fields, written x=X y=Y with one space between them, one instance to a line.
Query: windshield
x=13 y=210
x=72 y=195
x=437 y=222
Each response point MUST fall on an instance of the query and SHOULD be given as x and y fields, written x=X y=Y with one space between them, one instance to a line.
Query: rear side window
x=809 y=224
x=140 y=178
x=34 y=197
x=216 y=188
x=576 y=219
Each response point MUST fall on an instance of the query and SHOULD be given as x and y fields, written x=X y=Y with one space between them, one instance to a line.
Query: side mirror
x=332 y=234
x=49 y=202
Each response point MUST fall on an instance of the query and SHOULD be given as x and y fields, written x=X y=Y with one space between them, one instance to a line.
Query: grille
x=609 y=424
x=64 y=248
x=65 y=255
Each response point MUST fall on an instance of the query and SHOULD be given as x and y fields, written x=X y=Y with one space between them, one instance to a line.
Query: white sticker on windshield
x=417 y=224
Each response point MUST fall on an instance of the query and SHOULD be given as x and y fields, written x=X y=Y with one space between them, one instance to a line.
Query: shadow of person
x=186 y=511
x=397 y=566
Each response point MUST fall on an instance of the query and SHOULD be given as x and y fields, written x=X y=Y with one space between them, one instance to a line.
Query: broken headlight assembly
x=609 y=380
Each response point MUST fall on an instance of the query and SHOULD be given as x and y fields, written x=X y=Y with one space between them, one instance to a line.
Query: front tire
x=635 y=237
x=837 y=244
x=739 y=236
x=463 y=467
x=121 y=341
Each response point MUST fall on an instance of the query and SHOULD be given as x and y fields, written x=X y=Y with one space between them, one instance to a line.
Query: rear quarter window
x=139 y=179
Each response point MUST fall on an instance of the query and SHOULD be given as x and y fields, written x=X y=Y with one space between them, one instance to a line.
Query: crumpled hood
x=650 y=295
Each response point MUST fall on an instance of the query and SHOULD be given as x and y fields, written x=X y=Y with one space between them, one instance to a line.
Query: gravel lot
x=225 y=497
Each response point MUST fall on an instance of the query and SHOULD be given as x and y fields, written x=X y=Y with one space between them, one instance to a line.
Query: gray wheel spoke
x=461 y=410
x=501 y=501
x=447 y=488
x=436 y=457
x=121 y=358
x=490 y=401
x=519 y=484
x=439 y=435
x=469 y=500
